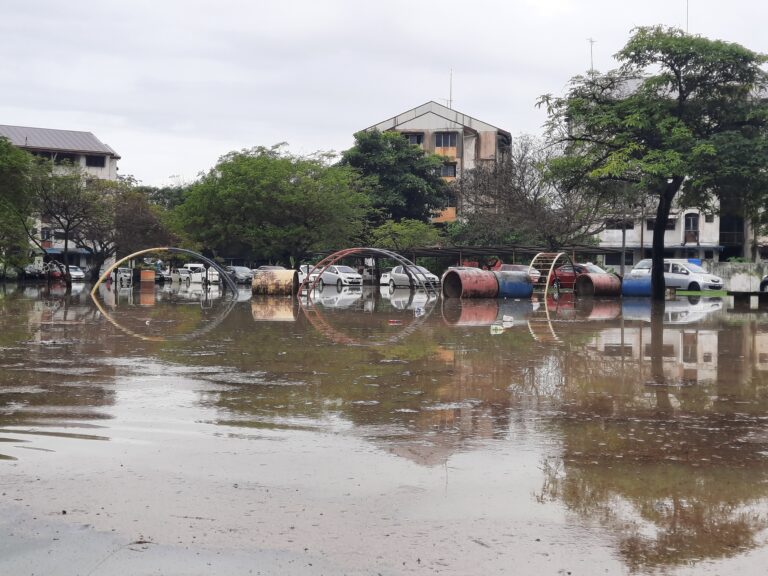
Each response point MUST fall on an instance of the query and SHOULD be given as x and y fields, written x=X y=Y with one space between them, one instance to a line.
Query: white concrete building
x=466 y=141
x=81 y=149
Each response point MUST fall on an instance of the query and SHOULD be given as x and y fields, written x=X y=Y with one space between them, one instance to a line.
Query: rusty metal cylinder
x=470 y=312
x=514 y=284
x=597 y=285
x=147 y=276
x=640 y=286
x=470 y=283
x=275 y=282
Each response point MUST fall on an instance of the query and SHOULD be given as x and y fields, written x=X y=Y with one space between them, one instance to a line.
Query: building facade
x=465 y=141
x=81 y=149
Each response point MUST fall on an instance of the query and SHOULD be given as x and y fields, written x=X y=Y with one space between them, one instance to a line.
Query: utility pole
x=591 y=55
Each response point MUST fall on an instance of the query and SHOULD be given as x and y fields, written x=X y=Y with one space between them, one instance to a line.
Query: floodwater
x=377 y=433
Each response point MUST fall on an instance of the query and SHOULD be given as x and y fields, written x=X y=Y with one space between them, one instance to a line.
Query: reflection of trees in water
x=677 y=473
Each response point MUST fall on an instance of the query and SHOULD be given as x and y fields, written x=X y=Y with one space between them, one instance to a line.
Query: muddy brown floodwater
x=369 y=432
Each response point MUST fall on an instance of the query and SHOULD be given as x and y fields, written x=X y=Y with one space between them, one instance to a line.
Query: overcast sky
x=172 y=85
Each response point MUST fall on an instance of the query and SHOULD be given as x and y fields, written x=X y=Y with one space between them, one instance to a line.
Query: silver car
x=398 y=276
x=340 y=276
x=682 y=274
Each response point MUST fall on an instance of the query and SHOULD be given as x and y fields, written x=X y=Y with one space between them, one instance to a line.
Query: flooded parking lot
x=380 y=432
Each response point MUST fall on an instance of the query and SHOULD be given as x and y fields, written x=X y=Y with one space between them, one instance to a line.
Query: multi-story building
x=81 y=149
x=690 y=233
x=78 y=148
x=465 y=141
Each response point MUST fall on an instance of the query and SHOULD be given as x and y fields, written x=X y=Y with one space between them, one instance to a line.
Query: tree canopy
x=404 y=181
x=681 y=115
x=268 y=204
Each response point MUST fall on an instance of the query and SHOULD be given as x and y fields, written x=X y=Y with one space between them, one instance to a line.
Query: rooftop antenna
x=450 y=90
x=686 y=16
x=591 y=55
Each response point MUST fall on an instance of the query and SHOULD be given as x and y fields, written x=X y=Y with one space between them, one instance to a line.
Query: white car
x=680 y=273
x=414 y=275
x=76 y=273
x=384 y=280
x=340 y=276
x=199 y=275
x=306 y=271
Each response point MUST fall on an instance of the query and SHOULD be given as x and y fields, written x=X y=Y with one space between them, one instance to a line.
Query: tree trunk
x=659 y=229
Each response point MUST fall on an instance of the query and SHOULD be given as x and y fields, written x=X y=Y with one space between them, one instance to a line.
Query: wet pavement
x=368 y=432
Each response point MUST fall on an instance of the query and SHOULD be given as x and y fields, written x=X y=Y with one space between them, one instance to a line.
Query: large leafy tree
x=682 y=116
x=266 y=204
x=404 y=181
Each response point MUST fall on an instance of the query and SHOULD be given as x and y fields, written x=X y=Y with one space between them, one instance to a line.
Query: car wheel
x=391 y=284
x=188 y=282
x=556 y=287
x=694 y=287
x=321 y=284
x=338 y=284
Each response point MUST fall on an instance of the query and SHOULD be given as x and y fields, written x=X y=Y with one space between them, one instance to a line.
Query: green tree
x=404 y=181
x=406 y=234
x=66 y=199
x=15 y=166
x=264 y=203
x=682 y=114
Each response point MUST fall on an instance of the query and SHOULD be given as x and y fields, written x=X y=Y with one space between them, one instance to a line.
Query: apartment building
x=81 y=149
x=465 y=141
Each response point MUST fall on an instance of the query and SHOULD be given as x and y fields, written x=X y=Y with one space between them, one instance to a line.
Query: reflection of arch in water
x=223 y=275
x=223 y=313
x=330 y=260
x=322 y=325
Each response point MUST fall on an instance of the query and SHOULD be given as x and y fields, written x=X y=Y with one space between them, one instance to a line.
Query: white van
x=682 y=274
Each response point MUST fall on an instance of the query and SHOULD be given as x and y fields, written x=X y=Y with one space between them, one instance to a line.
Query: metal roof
x=55 y=140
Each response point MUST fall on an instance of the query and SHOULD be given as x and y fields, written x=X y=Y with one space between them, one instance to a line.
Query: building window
x=445 y=139
x=709 y=254
x=709 y=218
x=448 y=170
x=619 y=225
x=651 y=222
x=62 y=157
x=45 y=234
x=95 y=161
x=614 y=259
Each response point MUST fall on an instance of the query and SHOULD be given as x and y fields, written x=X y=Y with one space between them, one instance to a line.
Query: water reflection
x=648 y=423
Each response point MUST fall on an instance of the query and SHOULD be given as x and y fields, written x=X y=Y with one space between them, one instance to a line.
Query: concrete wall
x=739 y=277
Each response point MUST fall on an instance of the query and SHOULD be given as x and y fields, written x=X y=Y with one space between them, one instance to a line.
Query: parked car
x=200 y=275
x=305 y=271
x=682 y=274
x=384 y=279
x=532 y=272
x=32 y=271
x=76 y=273
x=565 y=276
x=181 y=276
x=340 y=276
x=399 y=276
x=123 y=276
x=240 y=274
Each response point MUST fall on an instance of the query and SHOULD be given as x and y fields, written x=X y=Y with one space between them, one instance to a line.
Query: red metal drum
x=470 y=283
x=597 y=285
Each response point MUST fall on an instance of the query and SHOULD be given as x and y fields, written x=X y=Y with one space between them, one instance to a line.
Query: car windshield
x=271 y=268
x=696 y=268
x=643 y=265
x=74 y=268
x=240 y=269
x=420 y=269
x=593 y=269
x=345 y=270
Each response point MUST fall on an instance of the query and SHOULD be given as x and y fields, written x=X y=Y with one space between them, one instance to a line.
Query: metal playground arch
x=173 y=250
